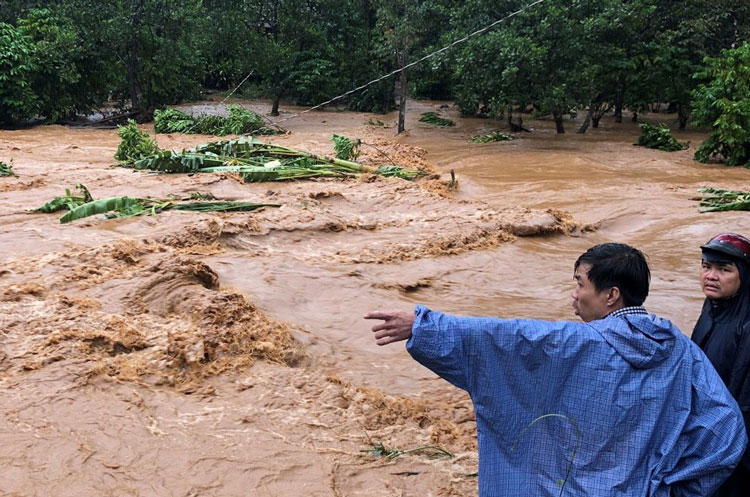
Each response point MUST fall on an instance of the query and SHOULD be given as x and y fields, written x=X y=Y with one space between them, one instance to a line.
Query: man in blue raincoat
x=622 y=404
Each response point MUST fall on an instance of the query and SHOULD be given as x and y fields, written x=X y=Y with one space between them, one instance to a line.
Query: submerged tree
x=723 y=102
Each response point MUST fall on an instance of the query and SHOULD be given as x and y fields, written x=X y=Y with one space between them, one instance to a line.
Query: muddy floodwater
x=204 y=354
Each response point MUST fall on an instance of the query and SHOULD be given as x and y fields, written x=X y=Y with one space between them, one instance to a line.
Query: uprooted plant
x=659 y=137
x=6 y=169
x=240 y=121
x=379 y=450
x=434 y=119
x=494 y=136
x=724 y=200
x=257 y=161
x=82 y=206
x=135 y=144
x=346 y=148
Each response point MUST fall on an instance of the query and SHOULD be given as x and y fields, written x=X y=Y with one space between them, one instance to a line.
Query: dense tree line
x=60 y=58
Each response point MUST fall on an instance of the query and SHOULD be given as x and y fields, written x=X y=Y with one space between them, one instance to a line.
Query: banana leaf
x=103 y=206
x=171 y=162
x=68 y=202
x=715 y=200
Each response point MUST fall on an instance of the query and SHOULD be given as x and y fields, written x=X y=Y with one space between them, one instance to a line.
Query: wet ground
x=195 y=354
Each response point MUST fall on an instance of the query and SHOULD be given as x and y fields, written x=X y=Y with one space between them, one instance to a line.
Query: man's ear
x=613 y=295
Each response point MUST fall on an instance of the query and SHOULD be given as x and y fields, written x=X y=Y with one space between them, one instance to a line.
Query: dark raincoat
x=723 y=333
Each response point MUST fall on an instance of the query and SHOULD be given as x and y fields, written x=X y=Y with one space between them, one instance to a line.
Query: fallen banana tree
x=82 y=206
x=723 y=200
x=257 y=161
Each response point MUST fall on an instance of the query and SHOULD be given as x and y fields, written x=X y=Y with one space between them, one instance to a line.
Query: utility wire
x=418 y=61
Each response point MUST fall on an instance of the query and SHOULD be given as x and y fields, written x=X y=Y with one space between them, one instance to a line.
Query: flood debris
x=85 y=205
x=714 y=200
x=434 y=119
x=258 y=161
x=239 y=122
x=494 y=136
x=659 y=137
x=6 y=169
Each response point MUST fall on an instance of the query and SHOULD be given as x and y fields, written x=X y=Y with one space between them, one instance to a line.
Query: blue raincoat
x=622 y=406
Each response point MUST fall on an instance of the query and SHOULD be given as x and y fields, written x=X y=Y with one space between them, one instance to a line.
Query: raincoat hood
x=644 y=341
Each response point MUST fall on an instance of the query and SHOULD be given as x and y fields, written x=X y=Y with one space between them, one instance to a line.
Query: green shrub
x=346 y=148
x=135 y=144
x=659 y=137
x=495 y=136
x=723 y=102
x=240 y=121
x=18 y=102
x=434 y=119
x=6 y=169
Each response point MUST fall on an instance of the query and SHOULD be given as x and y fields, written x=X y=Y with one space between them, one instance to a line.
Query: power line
x=418 y=61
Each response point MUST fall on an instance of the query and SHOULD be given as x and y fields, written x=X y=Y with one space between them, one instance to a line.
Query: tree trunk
x=619 y=99
x=559 y=122
x=132 y=64
x=683 y=116
x=401 y=57
x=587 y=121
x=278 y=92
x=595 y=121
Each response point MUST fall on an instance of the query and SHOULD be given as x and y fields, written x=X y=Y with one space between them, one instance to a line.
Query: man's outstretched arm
x=396 y=326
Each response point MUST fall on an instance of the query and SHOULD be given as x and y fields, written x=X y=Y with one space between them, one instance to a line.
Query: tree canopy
x=558 y=58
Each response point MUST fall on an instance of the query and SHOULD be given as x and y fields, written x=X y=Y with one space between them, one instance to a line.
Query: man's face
x=719 y=280
x=589 y=304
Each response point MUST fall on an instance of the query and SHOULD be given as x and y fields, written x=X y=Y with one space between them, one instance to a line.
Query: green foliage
x=724 y=200
x=83 y=206
x=17 y=99
x=346 y=148
x=659 y=137
x=68 y=202
x=57 y=53
x=257 y=161
x=434 y=119
x=723 y=102
x=173 y=121
x=135 y=144
x=494 y=136
x=240 y=121
x=6 y=169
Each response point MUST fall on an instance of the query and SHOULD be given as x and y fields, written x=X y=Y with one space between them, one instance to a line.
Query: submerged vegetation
x=240 y=121
x=257 y=161
x=6 y=169
x=659 y=137
x=346 y=148
x=724 y=200
x=82 y=206
x=434 y=119
x=134 y=143
x=494 y=136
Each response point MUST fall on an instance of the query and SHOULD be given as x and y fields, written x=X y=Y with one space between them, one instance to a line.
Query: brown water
x=205 y=354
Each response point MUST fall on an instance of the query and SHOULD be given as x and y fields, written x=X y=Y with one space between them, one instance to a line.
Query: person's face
x=589 y=304
x=719 y=280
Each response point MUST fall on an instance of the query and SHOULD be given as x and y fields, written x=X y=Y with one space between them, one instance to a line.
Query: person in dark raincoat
x=620 y=405
x=723 y=331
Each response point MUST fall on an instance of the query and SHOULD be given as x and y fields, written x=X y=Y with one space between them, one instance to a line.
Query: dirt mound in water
x=137 y=312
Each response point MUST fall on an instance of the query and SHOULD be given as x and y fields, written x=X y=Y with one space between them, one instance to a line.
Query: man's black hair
x=620 y=265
